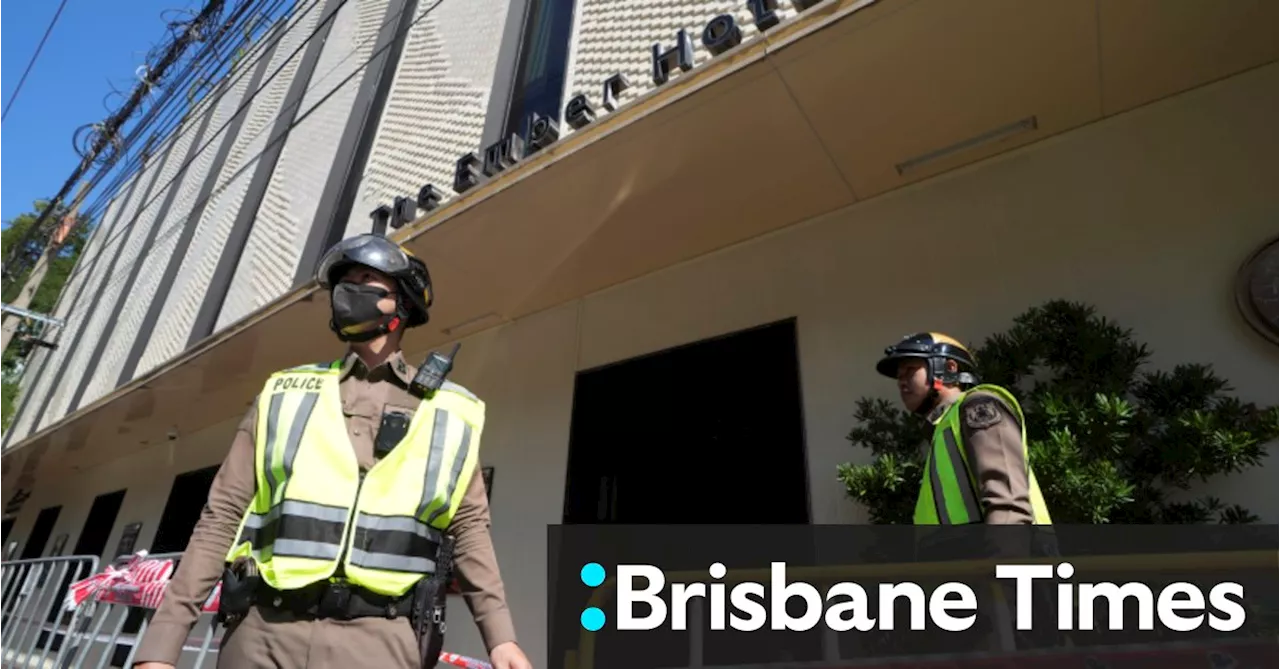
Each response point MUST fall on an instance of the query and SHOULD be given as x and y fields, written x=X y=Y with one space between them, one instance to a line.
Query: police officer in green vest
x=339 y=506
x=977 y=472
x=977 y=469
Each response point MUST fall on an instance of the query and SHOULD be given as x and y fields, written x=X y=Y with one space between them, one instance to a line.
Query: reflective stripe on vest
x=949 y=490
x=312 y=506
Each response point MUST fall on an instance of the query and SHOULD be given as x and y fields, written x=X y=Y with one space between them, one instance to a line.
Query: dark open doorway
x=98 y=526
x=40 y=533
x=719 y=420
x=181 y=512
x=707 y=433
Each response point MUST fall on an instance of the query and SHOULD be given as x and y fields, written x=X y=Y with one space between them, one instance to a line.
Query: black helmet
x=936 y=349
x=378 y=252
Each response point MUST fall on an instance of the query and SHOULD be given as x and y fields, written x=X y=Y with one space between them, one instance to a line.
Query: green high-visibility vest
x=314 y=509
x=949 y=491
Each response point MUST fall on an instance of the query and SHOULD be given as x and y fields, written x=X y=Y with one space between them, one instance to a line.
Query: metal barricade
x=31 y=608
x=41 y=630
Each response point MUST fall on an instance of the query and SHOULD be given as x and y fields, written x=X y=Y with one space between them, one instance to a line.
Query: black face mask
x=356 y=316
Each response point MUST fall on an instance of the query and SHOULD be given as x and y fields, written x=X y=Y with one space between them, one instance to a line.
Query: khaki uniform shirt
x=993 y=444
x=366 y=394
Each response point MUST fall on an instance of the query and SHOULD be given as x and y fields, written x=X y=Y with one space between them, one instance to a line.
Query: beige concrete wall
x=1147 y=215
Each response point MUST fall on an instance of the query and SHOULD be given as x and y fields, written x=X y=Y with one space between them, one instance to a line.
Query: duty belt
x=339 y=600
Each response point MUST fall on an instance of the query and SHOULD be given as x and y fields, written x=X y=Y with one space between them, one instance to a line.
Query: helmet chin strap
x=931 y=400
x=937 y=377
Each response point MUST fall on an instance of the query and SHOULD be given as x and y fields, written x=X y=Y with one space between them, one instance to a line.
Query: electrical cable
x=152 y=114
x=14 y=96
x=113 y=123
x=198 y=107
x=103 y=246
x=106 y=244
x=178 y=115
x=32 y=255
x=113 y=141
x=164 y=112
x=176 y=225
x=297 y=121
x=245 y=70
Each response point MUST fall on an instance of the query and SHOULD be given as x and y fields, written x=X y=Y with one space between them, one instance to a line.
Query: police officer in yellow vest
x=977 y=469
x=340 y=543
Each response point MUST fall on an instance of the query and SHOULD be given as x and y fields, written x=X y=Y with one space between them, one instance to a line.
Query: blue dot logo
x=592 y=619
x=592 y=574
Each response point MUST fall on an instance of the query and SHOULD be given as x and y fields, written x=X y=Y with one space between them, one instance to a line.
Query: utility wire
x=138 y=147
x=183 y=221
x=120 y=230
x=112 y=125
x=9 y=105
x=102 y=247
x=176 y=105
x=209 y=76
x=174 y=128
x=178 y=224
x=172 y=90
x=179 y=111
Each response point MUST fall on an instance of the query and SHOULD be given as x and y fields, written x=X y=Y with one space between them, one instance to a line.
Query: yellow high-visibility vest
x=949 y=491
x=315 y=510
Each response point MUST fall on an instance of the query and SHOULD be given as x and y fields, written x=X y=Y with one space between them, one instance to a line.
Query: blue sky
x=95 y=44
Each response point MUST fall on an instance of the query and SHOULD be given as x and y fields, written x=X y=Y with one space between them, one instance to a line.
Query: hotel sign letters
x=718 y=36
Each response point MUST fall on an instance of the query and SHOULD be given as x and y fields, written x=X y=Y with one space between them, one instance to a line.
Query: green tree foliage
x=1109 y=440
x=46 y=296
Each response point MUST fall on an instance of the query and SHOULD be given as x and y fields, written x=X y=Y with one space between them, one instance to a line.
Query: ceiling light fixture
x=1003 y=132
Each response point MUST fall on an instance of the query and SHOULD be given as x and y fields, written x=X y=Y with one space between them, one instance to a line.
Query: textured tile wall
x=189 y=290
x=34 y=386
x=434 y=113
x=135 y=305
x=618 y=36
x=80 y=313
x=437 y=105
x=288 y=210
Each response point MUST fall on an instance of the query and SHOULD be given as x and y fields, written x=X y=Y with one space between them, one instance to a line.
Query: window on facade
x=543 y=64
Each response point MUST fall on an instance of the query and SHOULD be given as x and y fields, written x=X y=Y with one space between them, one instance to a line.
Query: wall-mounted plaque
x=128 y=539
x=14 y=505
x=1257 y=291
x=59 y=545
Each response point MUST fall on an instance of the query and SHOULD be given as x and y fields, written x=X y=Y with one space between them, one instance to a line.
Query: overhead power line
x=39 y=243
x=184 y=104
x=111 y=126
x=177 y=225
x=9 y=105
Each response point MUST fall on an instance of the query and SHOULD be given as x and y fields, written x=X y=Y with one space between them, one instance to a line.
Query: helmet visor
x=369 y=250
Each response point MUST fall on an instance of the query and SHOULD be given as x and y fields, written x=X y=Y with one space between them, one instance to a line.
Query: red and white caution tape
x=453 y=659
x=138 y=582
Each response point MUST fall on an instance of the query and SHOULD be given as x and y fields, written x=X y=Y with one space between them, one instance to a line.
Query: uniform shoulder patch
x=981 y=413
